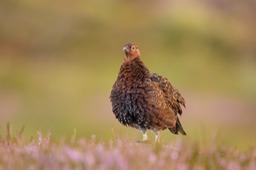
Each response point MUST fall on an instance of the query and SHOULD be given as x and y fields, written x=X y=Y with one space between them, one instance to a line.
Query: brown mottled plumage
x=144 y=100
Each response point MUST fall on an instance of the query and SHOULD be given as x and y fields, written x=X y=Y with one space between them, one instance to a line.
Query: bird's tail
x=178 y=128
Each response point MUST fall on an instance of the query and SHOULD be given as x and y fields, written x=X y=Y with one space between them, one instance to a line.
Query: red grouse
x=144 y=100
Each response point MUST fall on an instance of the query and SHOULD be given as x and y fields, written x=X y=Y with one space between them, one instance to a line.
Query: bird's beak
x=126 y=50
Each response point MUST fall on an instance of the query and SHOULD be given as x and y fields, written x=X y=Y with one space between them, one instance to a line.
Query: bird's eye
x=133 y=48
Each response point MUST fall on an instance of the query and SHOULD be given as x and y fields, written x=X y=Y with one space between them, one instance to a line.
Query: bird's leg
x=157 y=134
x=145 y=136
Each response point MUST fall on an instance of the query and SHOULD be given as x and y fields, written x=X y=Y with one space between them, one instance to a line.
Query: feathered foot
x=157 y=134
x=144 y=137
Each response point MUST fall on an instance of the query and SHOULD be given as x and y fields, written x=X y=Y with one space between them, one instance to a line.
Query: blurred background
x=59 y=59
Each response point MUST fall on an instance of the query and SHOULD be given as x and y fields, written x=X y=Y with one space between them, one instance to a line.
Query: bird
x=144 y=100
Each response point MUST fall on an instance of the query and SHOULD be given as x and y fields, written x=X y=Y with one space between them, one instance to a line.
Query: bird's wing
x=172 y=95
x=162 y=115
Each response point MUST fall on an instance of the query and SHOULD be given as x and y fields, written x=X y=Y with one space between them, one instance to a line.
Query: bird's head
x=131 y=52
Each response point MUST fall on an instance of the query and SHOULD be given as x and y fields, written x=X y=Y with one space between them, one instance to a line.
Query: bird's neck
x=134 y=71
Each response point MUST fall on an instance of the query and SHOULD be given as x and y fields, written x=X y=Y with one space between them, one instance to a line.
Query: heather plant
x=119 y=153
